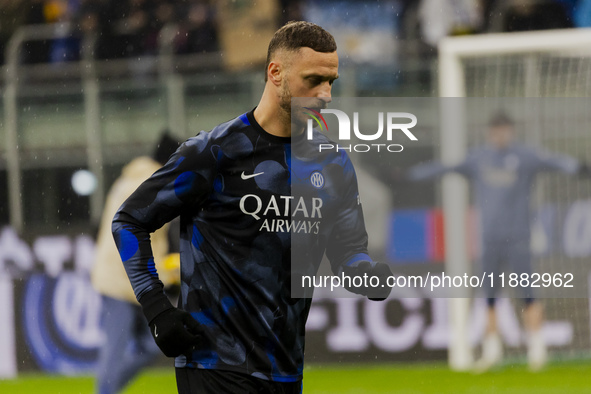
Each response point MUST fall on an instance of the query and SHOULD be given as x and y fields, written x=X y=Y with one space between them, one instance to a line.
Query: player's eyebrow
x=322 y=77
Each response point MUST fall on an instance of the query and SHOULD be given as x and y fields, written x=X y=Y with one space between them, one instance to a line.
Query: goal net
x=531 y=69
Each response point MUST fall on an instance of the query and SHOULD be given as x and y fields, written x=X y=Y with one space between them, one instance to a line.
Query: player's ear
x=275 y=72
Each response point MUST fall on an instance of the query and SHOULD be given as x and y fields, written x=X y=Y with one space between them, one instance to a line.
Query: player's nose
x=325 y=95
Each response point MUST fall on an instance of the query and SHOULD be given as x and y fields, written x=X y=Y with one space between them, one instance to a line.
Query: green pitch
x=568 y=377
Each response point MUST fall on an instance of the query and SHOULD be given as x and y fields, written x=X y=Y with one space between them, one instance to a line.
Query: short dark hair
x=500 y=119
x=297 y=34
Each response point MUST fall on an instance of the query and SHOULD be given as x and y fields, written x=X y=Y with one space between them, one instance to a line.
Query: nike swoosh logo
x=245 y=177
x=155 y=331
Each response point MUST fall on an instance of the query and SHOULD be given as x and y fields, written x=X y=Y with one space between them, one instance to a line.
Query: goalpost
x=555 y=63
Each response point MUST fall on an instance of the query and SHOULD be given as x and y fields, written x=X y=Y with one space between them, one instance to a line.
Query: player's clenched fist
x=175 y=331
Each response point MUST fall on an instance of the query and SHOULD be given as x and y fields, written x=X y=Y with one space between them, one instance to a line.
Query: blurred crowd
x=127 y=28
x=439 y=18
x=430 y=20
x=123 y=28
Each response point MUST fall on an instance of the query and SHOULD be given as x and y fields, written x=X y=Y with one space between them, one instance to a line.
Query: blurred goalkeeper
x=502 y=174
x=128 y=345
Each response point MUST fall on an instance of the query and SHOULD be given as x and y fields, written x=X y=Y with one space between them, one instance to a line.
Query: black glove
x=584 y=170
x=380 y=270
x=174 y=330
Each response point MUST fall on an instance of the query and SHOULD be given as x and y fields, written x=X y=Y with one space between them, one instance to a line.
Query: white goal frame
x=453 y=148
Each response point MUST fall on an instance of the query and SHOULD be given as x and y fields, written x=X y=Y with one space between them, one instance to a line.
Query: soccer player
x=237 y=328
x=128 y=345
x=502 y=174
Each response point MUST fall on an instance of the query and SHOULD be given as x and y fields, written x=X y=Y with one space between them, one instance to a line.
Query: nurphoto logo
x=395 y=122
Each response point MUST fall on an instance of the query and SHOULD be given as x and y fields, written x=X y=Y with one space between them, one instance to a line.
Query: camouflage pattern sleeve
x=347 y=244
x=183 y=181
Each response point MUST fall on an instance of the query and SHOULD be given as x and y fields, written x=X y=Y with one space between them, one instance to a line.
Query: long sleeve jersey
x=108 y=275
x=250 y=205
x=502 y=181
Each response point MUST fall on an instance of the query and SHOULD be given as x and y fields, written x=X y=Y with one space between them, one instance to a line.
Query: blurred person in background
x=198 y=28
x=161 y=13
x=37 y=51
x=128 y=24
x=64 y=13
x=502 y=175
x=528 y=15
x=90 y=23
x=57 y=50
x=442 y=18
x=128 y=345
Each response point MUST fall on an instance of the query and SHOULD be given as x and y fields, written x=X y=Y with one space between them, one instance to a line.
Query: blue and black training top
x=256 y=211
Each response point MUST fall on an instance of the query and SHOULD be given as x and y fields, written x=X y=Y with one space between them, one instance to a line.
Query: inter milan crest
x=317 y=179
